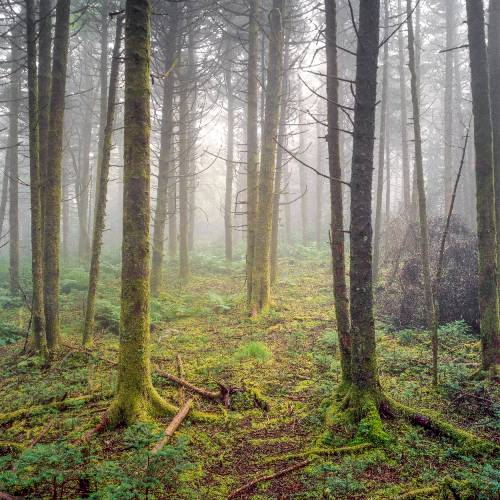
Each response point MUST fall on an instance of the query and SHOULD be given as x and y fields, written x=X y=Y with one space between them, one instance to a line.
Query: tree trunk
x=336 y=195
x=102 y=190
x=404 y=119
x=381 y=149
x=494 y=66
x=44 y=86
x=387 y=177
x=304 y=198
x=38 y=320
x=278 y=175
x=65 y=213
x=448 y=103
x=52 y=217
x=136 y=399
x=319 y=187
x=485 y=189
x=5 y=192
x=228 y=201
x=261 y=276
x=252 y=145
x=164 y=167
x=430 y=310
x=13 y=145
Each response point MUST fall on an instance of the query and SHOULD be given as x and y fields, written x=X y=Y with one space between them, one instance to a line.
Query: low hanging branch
x=173 y=426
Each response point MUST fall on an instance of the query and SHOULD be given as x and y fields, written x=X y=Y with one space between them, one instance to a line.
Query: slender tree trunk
x=304 y=199
x=5 y=191
x=448 y=103
x=494 y=67
x=52 y=218
x=261 y=276
x=38 y=320
x=15 y=94
x=404 y=119
x=102 y=191
x=336 y=195
x=381 y=149
x=319 y=187
x=44 y=86
x=430 y=310
x=172 y=212
x=252 y=145
x=228 y=201
x=65 y=214
x=278 y=175
x=387 y=177
x=136 y=399
x=363 y=360
x=485 y=189
x=167 y=128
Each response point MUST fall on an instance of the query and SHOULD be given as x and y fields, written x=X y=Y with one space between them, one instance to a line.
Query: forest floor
x=290 y=358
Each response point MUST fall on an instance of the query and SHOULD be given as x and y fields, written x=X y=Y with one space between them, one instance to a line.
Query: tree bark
x=494 y=66
x=304 y=198
x=136 y=399
x=38 y=320
x=102 y=191
x=485 y=189
x=336 y=195
x=430 y=310
x=52 y=216
x=261 y=276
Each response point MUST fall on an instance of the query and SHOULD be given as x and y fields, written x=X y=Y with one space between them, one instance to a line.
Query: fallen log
x=173 y=426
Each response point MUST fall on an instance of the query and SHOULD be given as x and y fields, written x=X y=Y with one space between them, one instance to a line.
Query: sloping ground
x=289 y=359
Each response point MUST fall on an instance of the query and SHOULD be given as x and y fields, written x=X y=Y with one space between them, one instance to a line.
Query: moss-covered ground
x=290 y=357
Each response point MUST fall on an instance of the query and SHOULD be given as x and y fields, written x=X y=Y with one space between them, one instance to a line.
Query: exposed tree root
x=7 y=418
x=430 y=420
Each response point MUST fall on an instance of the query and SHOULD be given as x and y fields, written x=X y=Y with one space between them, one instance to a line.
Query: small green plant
x=9 y=333
x=108 y=315
x=220 y=303
x=253 y=350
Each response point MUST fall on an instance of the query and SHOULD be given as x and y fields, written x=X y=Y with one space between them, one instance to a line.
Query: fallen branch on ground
x=173 y=426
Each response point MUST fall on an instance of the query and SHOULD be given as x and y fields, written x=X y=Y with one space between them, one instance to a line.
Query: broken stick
x=173 y=426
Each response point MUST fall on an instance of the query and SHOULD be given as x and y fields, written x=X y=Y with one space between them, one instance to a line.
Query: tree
x=494 y=66
x=381 y=148
x=52 y=216
x=261 y=275
x=13 y=145
x=252 y=145
x=102 y=191
x=166 y=145
x=39 y=341
x=136 y=398
x=336 y=194
x=485 y=189
x=430 y=309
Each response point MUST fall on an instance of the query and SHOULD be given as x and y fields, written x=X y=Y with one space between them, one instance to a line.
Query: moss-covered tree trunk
x=261 y=275
x=405 y=160
x=136 y=399
x=13 y=145
x=377 y=238
x=430 y=311
x=252 y=144
x=165 y=160
x=494 y=66
x=39 y=342
x=485 y=187
x=44 y=86
x=365 y=391
x=52 y=216
x=336 y=194
x=102 y=190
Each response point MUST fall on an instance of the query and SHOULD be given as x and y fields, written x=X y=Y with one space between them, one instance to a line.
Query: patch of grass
x=254 y=350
